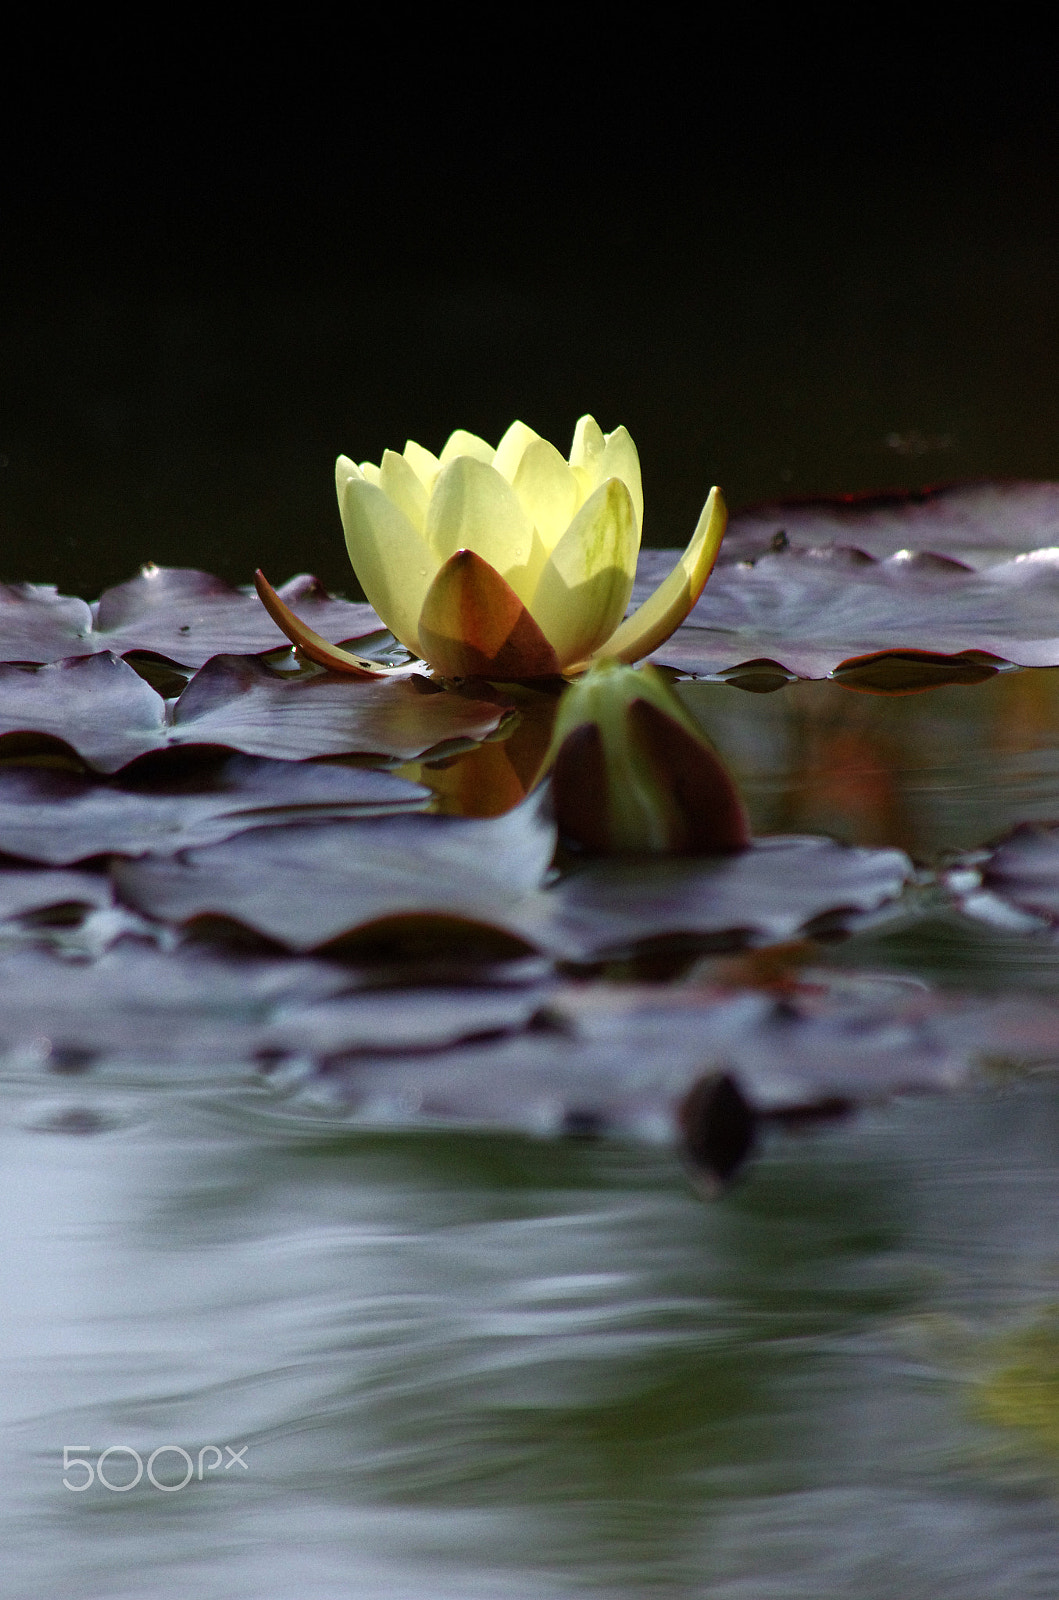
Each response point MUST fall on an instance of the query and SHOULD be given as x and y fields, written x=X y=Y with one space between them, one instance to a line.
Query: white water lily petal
x=547 y=490
x=588 y=578
x=424 y=463
x=512 y=448
x=369 y=471
x=473 y=508
x=666 y=608
x=393 y=562
x=462 y=443
x=398 y=480
x=620 y=460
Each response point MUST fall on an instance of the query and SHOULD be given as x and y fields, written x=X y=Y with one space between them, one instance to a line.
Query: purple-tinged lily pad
x=450 y=881
x=977 y=524
x=37 y=623
x=105 y=712
x=23 y=892
x=777 y=889
x=184 y=615
x=236 y=701
x=307 y=885
x=95 y=704
x=187 y=1007
x=665 y=1065
x=1015 y=885
x=60 y=817
x=190 y=616
x=811 y=611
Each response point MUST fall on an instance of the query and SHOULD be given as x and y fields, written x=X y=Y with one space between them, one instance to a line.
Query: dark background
x=793 y=265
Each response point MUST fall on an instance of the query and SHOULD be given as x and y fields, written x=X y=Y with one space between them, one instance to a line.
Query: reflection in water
x=931 y=773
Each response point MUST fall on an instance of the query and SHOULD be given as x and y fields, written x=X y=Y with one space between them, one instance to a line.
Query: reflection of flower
x=633 y=773
x=513 y=563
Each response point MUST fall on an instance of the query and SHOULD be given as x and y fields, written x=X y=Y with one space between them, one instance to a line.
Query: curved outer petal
x=663 y=612
x=588 y=577
x=312 y=644
x=473 y=625
x=393 y=562
x=474 y=508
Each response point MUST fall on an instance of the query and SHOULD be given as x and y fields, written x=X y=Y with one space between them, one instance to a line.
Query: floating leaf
x=977 y=524
x=60 y=817
x=1016 y=884
x=23 y=891
x=179 y=613
x=812 y=611
x=236 y=701
x=97 y=705
x=307 y=886
x=191 y=616
x=37 y=623
x=102 y=709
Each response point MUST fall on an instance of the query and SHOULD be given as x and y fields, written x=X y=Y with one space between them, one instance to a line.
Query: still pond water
x=433 y=1364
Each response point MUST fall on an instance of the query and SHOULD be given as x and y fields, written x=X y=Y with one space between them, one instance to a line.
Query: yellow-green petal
x=424 y=463
x=512 y=447
x=547 y=491
x=588 y=446
x=473 y=508
x=344 y=470
x=462 y=443
x=588 y=577
x=400 y=483
x=620 y=460
x=393 y=562
x=664 y=610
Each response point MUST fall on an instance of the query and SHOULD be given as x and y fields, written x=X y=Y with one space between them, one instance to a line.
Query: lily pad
x=1015 y=885
x=978 y=524
x=436 y=877
x=37 y=623
x=307 y=885
x=96 y=705
x=237 y=702
x=810 y=611
x=60 y=817
x=99 y=707
x=24 y=891
x=666 y=1065
x=180 y=613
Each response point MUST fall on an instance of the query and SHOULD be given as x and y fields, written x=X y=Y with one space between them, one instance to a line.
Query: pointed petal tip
x=664 y=610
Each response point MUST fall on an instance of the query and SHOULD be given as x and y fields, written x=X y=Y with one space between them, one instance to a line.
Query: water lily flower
x=632 y=773
x=509 y=563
